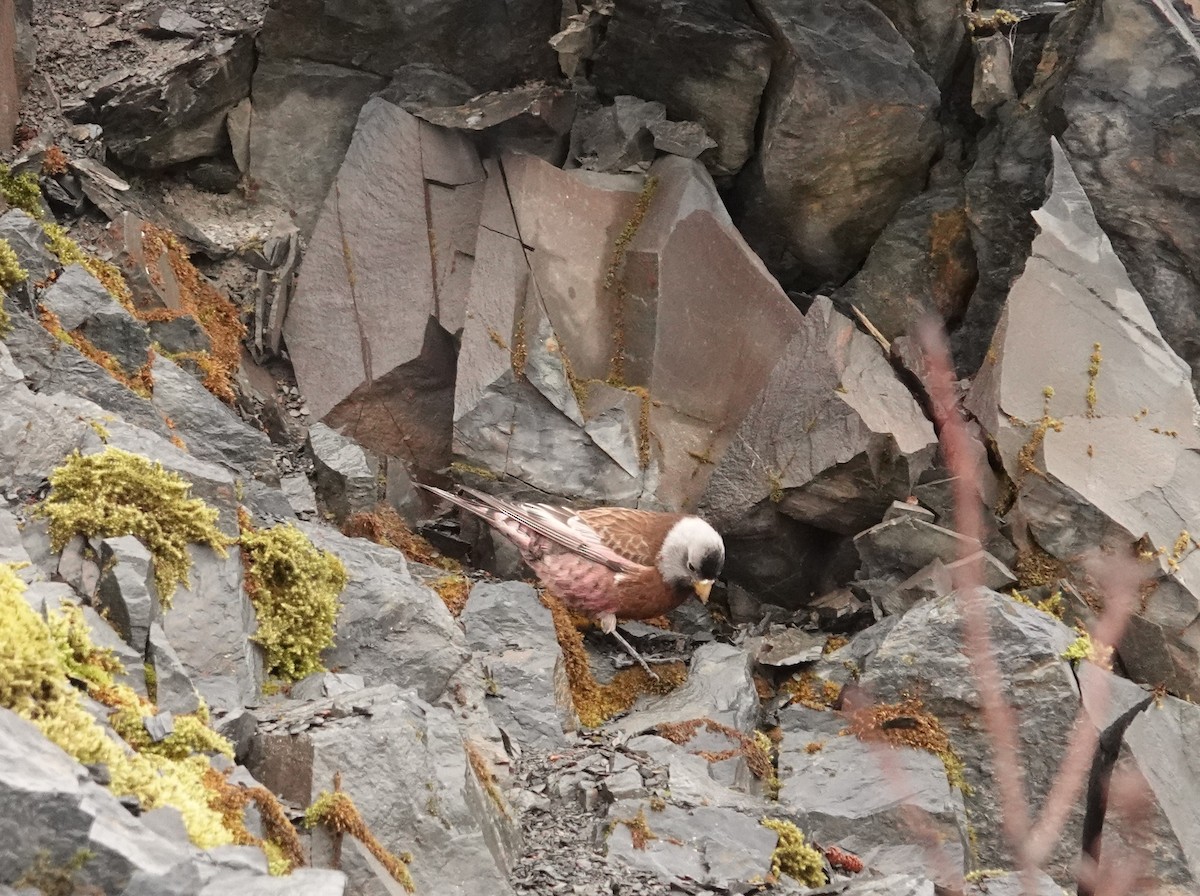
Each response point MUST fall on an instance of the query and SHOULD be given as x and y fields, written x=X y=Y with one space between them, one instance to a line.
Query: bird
x=607 y=563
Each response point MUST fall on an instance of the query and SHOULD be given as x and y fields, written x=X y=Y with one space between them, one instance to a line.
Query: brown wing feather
x=636 y=534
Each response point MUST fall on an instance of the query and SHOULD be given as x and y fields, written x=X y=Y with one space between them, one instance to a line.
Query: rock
x=717 y=848
x=513 y=637
x=174 y=691
x=785 y=458
x=166 y=22
x=418 y=795
x=299 y=494
x=681 y=138
x=320 y=685
x=301 y=882
x=347 y=477
x=127 y=592
x=133 y=671
x=371 y=352
x=846 y=138
x=390 y=628
x=993 y=85
x=845 y=792
x=294 y=164
x=486 y=46
x=210 y=624
x=533 y=118
x=28 y=240
x=935 y=29
x=524 y=365
x=51 y=806
x=667 y=53
x=1079 y=381
x=790 y=647
x=719 y=686
x=907 y=544
x=426 y=85
x=211 y=430
x=172 y=110
x=923 y=262
x=12 y=550
x=924 y=653
x=1155 y=748
x=180 y=334
x=1130 y=76
x=617 y=138
x=52 y=366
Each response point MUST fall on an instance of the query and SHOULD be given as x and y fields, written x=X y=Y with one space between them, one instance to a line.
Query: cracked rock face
x=1095 y=419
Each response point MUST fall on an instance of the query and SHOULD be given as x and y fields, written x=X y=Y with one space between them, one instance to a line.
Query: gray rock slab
x=126 y=590
x=326 y=684
x=390 y=627
x=173 y=687
x=51 y=805
x=28 y=241
x=1138 y=403
x=857 y=794
x=718 y=848
x=906 y=545
x=347 y=477
x=172 y=109
x=719 y=687
x=1130 y=75
x=296 y=166
x=924 y=653
x=371 y=354
x=812 y=206
x=210 y=428
x=665 y=53
x=210 y=624
x=12 y=548
x=301 y=882
x=403 y=763
x=513 y=637
x=82 y=303
x=830 y=441
x=483 y=46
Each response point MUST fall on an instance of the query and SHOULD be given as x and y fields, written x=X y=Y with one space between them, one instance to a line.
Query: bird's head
x=692 y=556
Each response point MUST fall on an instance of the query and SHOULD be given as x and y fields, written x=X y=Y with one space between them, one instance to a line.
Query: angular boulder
x=1134 y=75
x=365 y=330
x=846 y=138
x=1079 y=382
x=705 y=61
x=82 y=304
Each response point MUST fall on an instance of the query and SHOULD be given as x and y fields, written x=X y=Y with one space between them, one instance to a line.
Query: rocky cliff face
x=266 y=268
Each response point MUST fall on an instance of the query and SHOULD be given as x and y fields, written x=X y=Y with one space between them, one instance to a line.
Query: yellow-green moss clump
x=69 y=252
x=337 y=812
x=117 y=493
x=793 y=856
x=11 y=272
x=22 y=191
x=295 y=588
x=34 y=684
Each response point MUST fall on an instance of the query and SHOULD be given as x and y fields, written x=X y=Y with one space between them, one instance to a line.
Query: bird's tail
x=490 y=510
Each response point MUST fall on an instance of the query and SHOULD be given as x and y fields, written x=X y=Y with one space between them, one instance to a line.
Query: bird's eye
x=691 y=566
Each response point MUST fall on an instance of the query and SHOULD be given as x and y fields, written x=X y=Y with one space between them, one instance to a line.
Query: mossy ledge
x=116 y=492
x=336 y=811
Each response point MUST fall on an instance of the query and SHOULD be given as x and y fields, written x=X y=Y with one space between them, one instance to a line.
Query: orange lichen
x=54 y=162
x=595 y=703
x=908 y=723
x=384 y=526
x=199 y=298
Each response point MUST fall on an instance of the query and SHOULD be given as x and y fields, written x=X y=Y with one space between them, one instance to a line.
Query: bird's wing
x=565 y=527
x=636 y=534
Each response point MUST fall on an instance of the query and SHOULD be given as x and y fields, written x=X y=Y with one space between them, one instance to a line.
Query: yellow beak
x=702 y=588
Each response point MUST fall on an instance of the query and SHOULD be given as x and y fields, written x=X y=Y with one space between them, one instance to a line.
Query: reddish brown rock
x=10 y=95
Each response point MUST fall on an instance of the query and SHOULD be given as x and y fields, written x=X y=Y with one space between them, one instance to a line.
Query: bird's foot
x=633 y=653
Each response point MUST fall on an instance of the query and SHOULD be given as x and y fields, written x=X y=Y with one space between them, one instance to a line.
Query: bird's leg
x=608 y=625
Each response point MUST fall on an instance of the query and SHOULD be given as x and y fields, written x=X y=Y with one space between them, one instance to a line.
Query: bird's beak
x=702 y=588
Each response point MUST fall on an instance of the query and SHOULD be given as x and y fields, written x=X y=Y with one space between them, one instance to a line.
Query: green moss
x=337 y=812
x=151 y=681
x=294 y=587
x=117 y=493
x=22 y=191
x=34 y=684
x=793 y=856
x=1084 y=648
x=69 y=252
x=11 y=273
